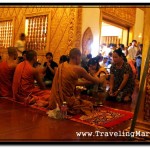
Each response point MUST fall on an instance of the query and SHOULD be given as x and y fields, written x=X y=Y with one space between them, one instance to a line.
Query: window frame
x=41 y=52
x=13 y=24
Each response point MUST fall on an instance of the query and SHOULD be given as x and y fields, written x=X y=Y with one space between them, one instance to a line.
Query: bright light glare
x=26 y=27
x=140 y=35
x=109 y=30
x=95 y=46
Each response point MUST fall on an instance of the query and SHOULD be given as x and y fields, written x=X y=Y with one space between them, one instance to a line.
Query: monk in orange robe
x=24 y=89
x=7 y=69
x=65 y=81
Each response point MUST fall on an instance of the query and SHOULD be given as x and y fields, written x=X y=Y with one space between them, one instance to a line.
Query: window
x=36 y=32
x=6 y=33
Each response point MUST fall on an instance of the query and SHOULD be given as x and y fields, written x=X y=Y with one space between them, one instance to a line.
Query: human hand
x=48 y=63
x=92 y=72
x=115 y=93
x=110 y=93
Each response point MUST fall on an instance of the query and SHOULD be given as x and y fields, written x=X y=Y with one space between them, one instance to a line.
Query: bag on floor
x=55 y=113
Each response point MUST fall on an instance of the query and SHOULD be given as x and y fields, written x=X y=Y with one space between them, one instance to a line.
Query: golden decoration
x=79 y=27
x=64 y=26
x=124 y=15
x=87 y=41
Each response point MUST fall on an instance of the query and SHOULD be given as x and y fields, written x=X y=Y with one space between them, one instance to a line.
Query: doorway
x=115 y=34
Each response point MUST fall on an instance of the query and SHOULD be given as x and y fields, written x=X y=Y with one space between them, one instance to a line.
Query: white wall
x=111 y=31
x=139 y=23
x=90 y=18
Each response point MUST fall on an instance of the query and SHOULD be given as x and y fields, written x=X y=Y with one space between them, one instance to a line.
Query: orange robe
x=24 y=88
x=6 y=78
x=63 y=88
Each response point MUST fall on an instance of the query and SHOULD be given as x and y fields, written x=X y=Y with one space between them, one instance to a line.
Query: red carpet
x=104 y=117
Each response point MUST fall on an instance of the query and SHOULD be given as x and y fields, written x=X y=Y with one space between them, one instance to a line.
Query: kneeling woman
x=99 y=90
x=121 y=78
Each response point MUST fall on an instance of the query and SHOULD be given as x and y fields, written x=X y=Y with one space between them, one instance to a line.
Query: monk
x=24 y=89
x=7 y=69
x=65 y=81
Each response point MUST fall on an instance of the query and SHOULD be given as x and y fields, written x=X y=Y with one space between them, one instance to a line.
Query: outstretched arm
x=19 y=50
x=83 y=73
x=83 y=82
x=124 y=82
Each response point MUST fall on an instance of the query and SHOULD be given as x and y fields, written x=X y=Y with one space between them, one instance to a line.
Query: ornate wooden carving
x=79 y=27
x=64 y=26
x=87 y=41
x=6 y=28
x=110 y=39
x=71 y=28
x=123 y=15
x=37 y=32
x=142 y=8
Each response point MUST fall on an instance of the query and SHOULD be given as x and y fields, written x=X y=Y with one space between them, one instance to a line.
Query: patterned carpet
x=104 y=117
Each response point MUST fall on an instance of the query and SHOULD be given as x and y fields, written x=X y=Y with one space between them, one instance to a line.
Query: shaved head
x=75 y=56
x=30 y=55
x=74 y=53
x=12 y=51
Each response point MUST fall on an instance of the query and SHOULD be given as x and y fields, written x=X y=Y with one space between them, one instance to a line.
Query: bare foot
x=32 y=101
x=51 y=106
x=127 y=99
x=41 y=103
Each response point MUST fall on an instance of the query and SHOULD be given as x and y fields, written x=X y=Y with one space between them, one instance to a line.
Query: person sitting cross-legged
x=7 y=69
x=24 y=89
x=49 y=69
x=65 y=81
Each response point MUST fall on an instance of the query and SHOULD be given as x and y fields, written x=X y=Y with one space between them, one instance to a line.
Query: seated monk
x=65 y=81
x=24 y=89
x=7 y=69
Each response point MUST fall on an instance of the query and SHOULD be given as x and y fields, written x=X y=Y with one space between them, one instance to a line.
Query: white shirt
x=132 y=50
x=104 y=49
x=102 y=64
x=21 y=46
x=107 y=51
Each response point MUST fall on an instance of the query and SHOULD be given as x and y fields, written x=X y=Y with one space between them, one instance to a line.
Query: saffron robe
x=6 y=79
x=63 y=88
x=24 y=88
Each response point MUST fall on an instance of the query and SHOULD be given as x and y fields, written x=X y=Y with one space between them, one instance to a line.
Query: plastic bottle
x=101 y=96
x=64 y=109
x=94 y=94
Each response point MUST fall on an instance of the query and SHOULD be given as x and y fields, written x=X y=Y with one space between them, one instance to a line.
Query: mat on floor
x=101 y=117
x=104 y=117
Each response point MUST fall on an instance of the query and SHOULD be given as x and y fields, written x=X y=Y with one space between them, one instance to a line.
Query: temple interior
x=58 y=29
